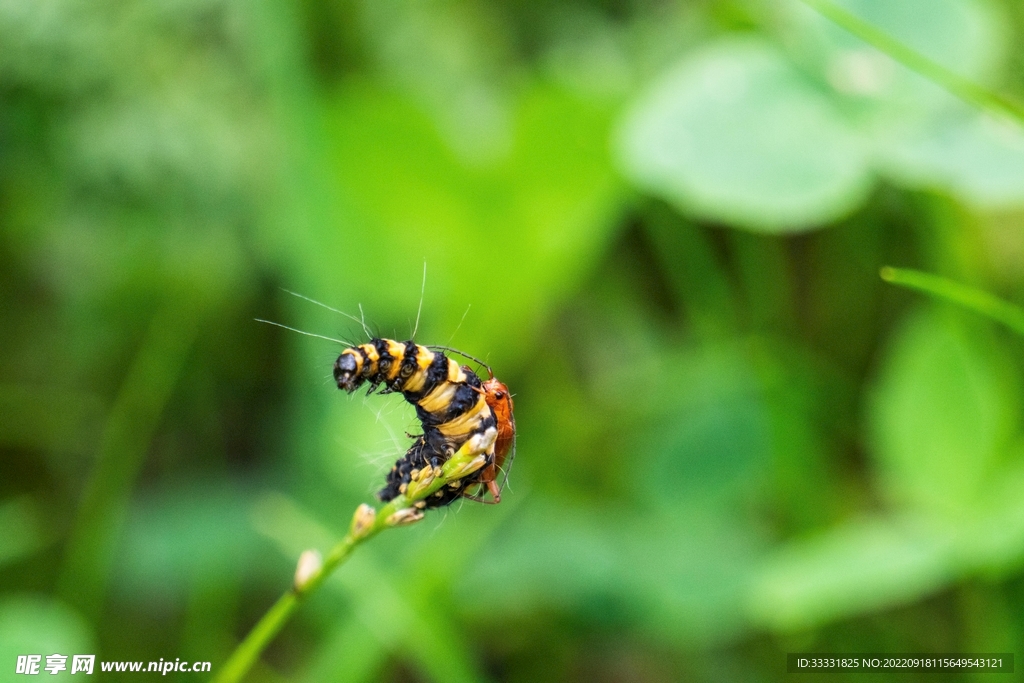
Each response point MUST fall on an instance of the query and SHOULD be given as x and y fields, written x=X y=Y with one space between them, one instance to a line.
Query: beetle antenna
x=460 y=353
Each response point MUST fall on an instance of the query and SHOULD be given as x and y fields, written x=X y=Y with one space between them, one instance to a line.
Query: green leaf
x=544 y=211
x=38 y=625
x=713 y=435
x=994 y=541
x=50 y=418
x=179 y=535
x=979 y=158
x=963 y=36
x=735 y=133
x=679 y=576
x=24 y=531
x=852 y=569
x=944 y=408
x=973 y=299
x=689 y=585
x=924 y=136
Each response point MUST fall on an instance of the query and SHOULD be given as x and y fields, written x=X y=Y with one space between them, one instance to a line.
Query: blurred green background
x=660 y=222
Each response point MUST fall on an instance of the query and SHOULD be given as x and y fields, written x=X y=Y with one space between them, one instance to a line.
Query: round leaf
x=965 y=36
x=734 y=133
x=34 y=625
x=860 y=566
x=943 y=410
x=980 y=159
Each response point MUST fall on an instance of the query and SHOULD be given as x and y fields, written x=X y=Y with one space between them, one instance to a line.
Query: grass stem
x=963 y=88
x=366 y=523
x=971 y=298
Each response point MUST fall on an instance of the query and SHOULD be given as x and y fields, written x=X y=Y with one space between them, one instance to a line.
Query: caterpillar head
x=347 y=371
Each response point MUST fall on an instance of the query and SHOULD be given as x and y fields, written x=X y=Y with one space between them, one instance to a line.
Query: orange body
x=500 y=402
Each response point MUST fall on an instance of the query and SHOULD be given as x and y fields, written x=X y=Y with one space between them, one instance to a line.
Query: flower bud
x=404 y=516
x=421 y=479
x=309 y=565
x=362 y=521
x=467 y=468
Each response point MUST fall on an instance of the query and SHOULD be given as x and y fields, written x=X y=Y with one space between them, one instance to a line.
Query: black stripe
x=438 y=370
x=465 y=398
x=437 y=373
x=409 y=367
x=425 y=450
x=366 y=360
x=427 y=419
x=486 y=423
x=384 y=361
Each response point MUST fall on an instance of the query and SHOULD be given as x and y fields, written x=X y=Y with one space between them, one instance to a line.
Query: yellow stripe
x=371 y=357
x=424 y=357
x=467 y=422
x=439 y=398
x=371 y=352
x=455 y=373
x=397 y=351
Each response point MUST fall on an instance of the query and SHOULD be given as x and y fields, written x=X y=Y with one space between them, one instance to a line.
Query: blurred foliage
x=661 y=223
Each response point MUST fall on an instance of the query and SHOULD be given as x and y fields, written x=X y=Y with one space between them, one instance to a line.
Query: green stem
x=127 y=436
x=401 y=510
x=248 y=651
x=971 y=298
x=966 y=89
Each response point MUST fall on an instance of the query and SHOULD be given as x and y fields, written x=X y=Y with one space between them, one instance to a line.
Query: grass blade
x=971 y=298
x=963 y=88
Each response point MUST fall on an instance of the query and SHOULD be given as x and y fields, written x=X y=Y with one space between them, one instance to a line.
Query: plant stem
x=963 y=88
x=971 y=298
x=366 y=523
x=128 y=434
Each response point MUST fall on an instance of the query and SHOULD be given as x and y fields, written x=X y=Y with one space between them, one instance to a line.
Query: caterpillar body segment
x=424 y=453
x=449 y=398
x=452 y=404
x=400 y=366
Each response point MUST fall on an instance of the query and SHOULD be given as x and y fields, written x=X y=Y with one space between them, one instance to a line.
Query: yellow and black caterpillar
x=451 y=404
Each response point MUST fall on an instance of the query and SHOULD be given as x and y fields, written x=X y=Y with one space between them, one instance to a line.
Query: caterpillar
x=453 y=406
x=422 y=454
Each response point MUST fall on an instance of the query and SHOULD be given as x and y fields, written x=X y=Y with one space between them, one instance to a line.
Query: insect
x=449 y=398
x=453 y=406
x=455 y=409
x=500 y=401
x=423 y=454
